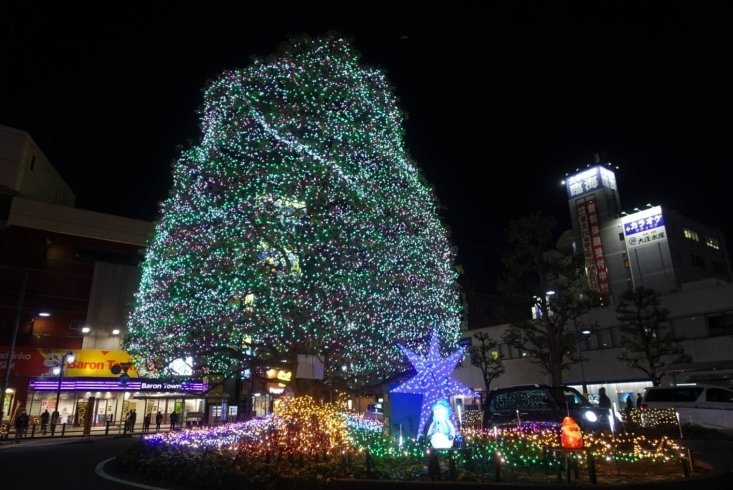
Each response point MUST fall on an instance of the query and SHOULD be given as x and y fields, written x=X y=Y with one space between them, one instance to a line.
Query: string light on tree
x=299 y=219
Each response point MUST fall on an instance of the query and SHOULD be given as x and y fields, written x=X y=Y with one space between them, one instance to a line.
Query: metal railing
x=48 y=431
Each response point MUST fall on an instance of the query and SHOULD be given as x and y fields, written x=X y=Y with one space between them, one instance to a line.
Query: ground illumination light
x=45 y=313
x=585 y=332
x=116 y=331
x=85 y=330
x=433 y=380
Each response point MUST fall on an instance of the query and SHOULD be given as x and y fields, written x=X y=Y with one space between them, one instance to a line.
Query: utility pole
x=13 y=337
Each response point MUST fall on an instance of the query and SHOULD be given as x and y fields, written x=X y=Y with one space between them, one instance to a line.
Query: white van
x=374 y=411
x=687 y=396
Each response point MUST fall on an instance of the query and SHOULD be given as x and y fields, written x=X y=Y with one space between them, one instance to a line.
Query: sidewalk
x=74 y=435
x=57 y=441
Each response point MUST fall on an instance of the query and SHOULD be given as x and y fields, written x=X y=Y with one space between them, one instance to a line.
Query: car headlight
x=590 y=416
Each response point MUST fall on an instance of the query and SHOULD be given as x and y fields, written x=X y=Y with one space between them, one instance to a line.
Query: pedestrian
x=44 y=421
x=54 y=420
x=158 y=421
x=174 y=420
x=133 y=419
x=629 y=408
x=21 y=425
x=603 y=400
x=638 y=401
x=146 y=422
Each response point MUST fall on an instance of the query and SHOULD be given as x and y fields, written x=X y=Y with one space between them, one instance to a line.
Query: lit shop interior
x=112 y=401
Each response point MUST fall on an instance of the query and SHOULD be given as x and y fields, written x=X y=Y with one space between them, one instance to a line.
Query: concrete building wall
x=37 y=215
x=25 y=170
x=690 y=311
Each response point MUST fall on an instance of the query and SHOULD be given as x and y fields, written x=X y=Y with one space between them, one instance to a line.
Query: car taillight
x=643 y=406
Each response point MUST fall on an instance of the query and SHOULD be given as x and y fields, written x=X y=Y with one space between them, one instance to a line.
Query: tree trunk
x=556 y=372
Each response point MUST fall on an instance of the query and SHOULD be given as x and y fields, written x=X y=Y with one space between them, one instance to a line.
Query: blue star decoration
x=433 y=379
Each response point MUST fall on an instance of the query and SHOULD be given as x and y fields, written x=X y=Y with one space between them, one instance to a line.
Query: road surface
x=65 y=466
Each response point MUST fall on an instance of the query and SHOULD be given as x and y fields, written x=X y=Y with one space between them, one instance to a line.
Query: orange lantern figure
x=571 y=436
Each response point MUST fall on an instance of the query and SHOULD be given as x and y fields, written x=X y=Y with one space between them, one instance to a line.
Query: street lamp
x=586 y=332
x=58 y=370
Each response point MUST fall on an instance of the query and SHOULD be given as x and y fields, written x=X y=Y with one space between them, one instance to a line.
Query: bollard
x=592 y=468
x=691 y=460
x=433 y=466
x=106 y=428
x=33 y=431
x=369 y=463
x=685 y=467
x=63 y=429
x=497 y=468
x=451 y=466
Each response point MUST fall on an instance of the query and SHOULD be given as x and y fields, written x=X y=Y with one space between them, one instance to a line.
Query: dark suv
x=543 y=403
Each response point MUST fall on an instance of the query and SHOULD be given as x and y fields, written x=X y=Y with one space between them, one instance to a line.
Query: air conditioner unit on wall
x=76 y=325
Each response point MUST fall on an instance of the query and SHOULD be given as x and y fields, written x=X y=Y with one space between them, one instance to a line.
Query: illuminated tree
x=298 y=225
x=553 y=284
x=646 y=339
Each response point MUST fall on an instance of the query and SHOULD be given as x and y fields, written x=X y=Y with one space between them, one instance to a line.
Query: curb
x=99 y=470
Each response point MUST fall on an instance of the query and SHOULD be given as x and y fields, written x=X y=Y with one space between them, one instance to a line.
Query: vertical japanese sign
x=599 y=259
x=585 y=235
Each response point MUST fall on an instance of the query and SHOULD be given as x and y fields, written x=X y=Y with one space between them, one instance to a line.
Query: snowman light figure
x=441 y=432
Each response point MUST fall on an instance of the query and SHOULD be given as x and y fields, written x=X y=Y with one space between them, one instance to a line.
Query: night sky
x=504 y=98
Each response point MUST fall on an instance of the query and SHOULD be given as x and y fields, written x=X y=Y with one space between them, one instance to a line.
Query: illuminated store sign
x=36 y=362
x=114 y=385
x=590 y=180
x=645 y=227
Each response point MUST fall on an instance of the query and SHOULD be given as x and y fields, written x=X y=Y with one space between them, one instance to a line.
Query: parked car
x=543 y=403
x=687 y=396
x=374 y=411
x=684 y=397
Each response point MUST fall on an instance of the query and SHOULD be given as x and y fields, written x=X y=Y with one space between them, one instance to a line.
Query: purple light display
x=114 y=385
x=433 y=379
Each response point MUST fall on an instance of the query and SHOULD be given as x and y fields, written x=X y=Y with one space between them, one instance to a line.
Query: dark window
x=697 y=261
x=720 y=324
x=663 y=395
x=686 y=394
x=33 y=162
x=719 y=395
x=569 y=398
x=532 y=399
x=5 y=202
x=690 y=394
x=720 y=268
x=105 y=255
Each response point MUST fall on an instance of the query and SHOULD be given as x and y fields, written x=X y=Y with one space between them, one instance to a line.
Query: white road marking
x=100 y=471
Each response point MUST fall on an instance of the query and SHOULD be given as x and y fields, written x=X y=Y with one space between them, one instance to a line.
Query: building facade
x=68 y=276
x=685 y=260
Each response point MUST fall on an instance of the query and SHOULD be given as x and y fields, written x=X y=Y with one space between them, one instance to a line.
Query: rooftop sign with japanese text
x=589 y=180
